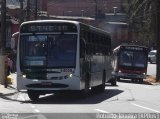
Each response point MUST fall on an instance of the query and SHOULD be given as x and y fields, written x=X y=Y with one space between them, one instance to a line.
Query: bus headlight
x=70 y=75
x=24 y=76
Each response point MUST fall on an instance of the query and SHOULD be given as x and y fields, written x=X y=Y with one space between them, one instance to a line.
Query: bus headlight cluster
x=68 y=76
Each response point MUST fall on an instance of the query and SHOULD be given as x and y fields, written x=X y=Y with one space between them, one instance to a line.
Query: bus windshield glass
x=133 y=59
x=48 y=50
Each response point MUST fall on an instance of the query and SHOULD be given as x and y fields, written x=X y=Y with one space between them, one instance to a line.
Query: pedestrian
x=9 y=64
x=12 y=56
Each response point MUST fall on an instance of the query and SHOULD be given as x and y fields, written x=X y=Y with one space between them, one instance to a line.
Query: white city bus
x=62 y=55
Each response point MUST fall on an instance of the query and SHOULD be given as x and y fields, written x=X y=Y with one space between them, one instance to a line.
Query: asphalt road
x=126 y=97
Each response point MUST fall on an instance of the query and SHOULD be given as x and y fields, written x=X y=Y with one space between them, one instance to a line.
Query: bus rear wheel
x=113 y=82
x=33 y=95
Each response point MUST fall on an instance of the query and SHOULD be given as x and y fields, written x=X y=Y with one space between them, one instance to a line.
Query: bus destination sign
x=48 y=28
x=134 y=48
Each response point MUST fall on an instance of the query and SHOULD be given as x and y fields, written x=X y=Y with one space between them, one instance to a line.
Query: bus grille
x=53 y=85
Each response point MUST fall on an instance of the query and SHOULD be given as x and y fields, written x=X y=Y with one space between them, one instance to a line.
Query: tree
x=144 y=13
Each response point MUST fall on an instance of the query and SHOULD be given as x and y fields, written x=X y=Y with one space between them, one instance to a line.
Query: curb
x=8 y=90
x=11 y=88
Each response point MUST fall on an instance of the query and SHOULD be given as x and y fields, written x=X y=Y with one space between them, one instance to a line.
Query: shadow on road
x=70 y=98
x=65 y=98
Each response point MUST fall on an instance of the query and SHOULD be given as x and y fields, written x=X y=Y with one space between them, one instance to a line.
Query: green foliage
x=145 y=16
x=139 y=12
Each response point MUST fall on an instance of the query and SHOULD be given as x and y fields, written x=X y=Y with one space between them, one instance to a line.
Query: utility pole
x=156 y=19
x=28 y=10
x=3 y=41
x=21 y=8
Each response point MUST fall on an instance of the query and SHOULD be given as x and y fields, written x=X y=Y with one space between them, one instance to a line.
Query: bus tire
x=118 y=79
x=113 y=82
x=33 y=95
x=86 y=91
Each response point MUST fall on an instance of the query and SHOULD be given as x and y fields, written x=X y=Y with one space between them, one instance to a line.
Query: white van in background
x=152 y=56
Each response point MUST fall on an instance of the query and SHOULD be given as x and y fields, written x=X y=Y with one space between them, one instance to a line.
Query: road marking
x=99 y=110
x=39 y=116
x=145 y=108
x=32 y=106
x=36 y=110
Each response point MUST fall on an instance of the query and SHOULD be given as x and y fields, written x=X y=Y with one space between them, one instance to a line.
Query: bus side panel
x=97 y=67
x=108 y=67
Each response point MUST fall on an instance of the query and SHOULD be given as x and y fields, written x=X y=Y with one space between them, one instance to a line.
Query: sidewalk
x=11 y=87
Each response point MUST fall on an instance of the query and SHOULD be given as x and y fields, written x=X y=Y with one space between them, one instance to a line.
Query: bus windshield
x=133 y=59
x=49 y=50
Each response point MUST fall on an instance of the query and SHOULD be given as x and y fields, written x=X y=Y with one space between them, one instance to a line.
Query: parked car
x=152 y=56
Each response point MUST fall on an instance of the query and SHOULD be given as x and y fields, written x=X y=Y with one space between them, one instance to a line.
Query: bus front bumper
x=128 y=75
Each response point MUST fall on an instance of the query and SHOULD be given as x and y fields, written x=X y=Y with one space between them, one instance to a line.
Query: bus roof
x=129 y=45
x=50 y=21
x=66 y=21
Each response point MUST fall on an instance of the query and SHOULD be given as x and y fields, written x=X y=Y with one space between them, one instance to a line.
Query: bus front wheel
x=33 y=95
x=113 y=82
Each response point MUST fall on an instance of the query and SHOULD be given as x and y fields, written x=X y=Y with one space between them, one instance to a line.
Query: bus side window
x=82 y=48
